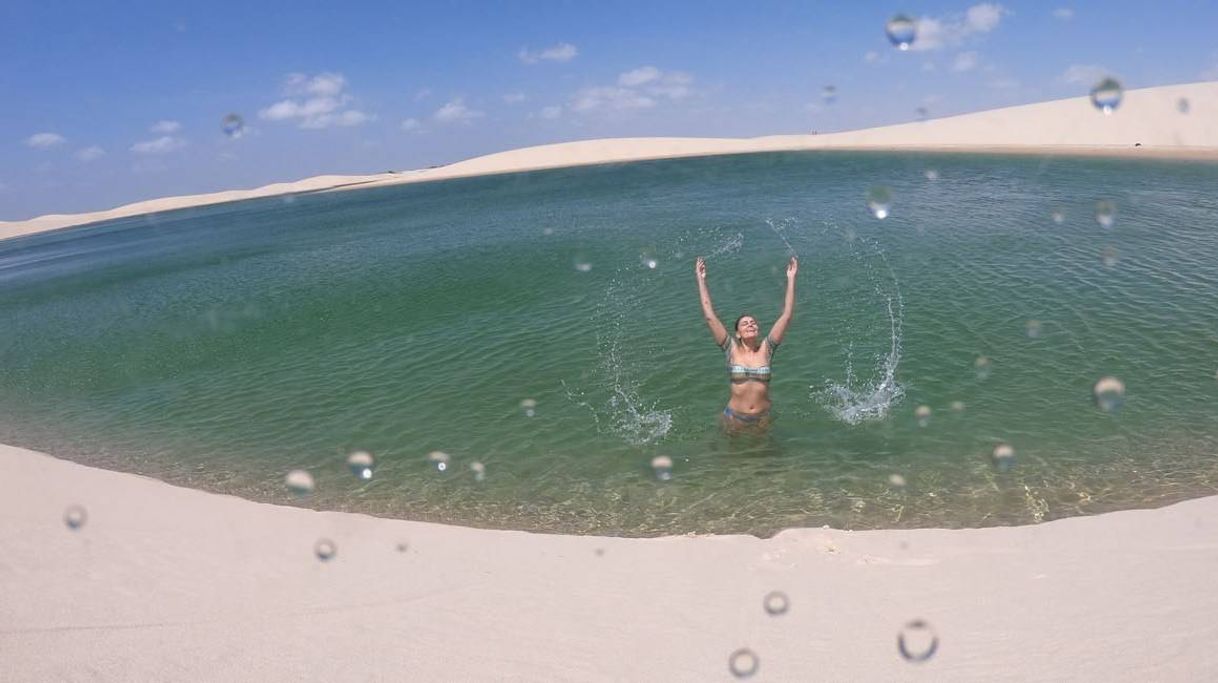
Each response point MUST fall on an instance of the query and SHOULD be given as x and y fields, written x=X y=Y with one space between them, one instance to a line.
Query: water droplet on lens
x=931 y=174
x=75 y=517
x=478 y=469
x=901 y=31
x=403 y=547
x=233 y=125
x=896 y=481
x=743 y=663
x=776 y=603
x=360 y=464
x=325 y=549
x=299 y=482
x=1106 y=95
x=879 y=201
x=917 y=642
x=1182 y=105
x=547 y=232
x=1105 y=213
x=1058 y=216
x=662 y=466
x=828 y=94
x=438 y=460
x=983 y=366
x=583 y=266
x=922 y=113
x=1033 y=329
x=529 y=406
x=1003 y=457
x=648 y=259
x=1109 y=394
x=1110 y=256
x=957 y=406
x=923 y=415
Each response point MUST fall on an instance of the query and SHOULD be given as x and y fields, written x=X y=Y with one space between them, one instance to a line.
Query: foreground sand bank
x=1152 y=117
x=167 y=583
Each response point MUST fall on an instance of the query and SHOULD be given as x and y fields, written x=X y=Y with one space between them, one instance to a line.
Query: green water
x=221 y=347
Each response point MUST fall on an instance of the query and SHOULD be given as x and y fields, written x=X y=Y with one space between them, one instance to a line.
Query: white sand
x=167 y=583
x=1071 y=126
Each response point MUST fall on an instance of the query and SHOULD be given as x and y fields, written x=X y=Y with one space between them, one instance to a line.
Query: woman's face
x=747 y=327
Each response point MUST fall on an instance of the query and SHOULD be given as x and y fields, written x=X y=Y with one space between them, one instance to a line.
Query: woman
x=748 y=354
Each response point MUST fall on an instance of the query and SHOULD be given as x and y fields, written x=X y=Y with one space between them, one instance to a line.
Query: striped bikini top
x=744 y=373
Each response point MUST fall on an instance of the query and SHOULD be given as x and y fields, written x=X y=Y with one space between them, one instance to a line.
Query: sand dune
x=1149 y=116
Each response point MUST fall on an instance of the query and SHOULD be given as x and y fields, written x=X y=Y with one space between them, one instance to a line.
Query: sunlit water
x=546 y=327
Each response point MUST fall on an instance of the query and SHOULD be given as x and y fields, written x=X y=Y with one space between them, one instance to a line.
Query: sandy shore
x=1150 y=116
x=167 y=583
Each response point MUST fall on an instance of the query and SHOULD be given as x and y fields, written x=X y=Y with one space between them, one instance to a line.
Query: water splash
x=785 y=223
x=623 y=412
x=729 y=245
x=855 y=401
x=707 y=242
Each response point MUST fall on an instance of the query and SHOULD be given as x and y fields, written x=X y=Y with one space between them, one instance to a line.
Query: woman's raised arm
x=708 y=311
x=788 y=307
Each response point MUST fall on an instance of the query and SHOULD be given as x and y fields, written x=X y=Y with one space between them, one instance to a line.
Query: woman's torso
x=749 y=372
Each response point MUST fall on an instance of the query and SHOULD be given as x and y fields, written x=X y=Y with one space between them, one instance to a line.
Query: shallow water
x=221 y=347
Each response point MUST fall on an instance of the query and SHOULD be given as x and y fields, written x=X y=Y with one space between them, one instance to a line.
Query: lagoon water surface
x=221 y=347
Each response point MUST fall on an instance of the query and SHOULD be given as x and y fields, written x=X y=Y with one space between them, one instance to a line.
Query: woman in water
x=748 y=354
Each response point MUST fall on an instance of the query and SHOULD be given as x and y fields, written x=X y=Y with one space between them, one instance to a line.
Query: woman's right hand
x=700 y=268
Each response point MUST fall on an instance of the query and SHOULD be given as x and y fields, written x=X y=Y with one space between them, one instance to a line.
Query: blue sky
x=106 y=105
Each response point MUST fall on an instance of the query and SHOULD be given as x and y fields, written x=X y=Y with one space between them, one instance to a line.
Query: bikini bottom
x=745 y=417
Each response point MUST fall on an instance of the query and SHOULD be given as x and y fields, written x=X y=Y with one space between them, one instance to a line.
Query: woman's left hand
x=792 y=268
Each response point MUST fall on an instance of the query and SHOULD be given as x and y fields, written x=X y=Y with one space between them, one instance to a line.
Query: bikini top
x=744 y=373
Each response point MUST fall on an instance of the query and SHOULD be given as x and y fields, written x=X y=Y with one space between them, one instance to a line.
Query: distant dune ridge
x=1149 y=122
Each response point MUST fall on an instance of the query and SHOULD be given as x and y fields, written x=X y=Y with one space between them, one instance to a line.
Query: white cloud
x=610 y=97
x=1083 y=74
x=965 y=61
x=551 y=112
x=514 y=98
x=322 y=85
x=45 y=140
x=933 y=34
x=456 y=111
x=640 y=88
x=350 y=117
x=91 y=153
x=316 y=102
x=639 y=76
x=162 y=145
x=165 y=127
x=985 y=17
x=1064 y=13
x=411 y=124
x=562 y=52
